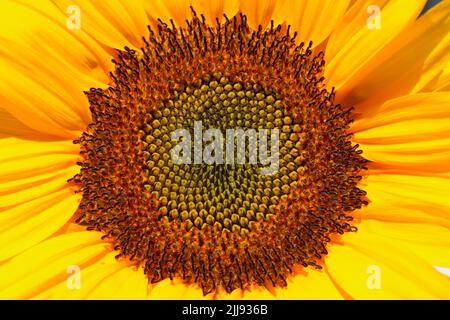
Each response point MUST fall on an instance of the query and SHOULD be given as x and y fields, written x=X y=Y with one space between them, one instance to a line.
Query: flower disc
x=219 y=225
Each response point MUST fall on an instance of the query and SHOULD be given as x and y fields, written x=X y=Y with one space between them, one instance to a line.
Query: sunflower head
x=219 y=224
x=217 y=155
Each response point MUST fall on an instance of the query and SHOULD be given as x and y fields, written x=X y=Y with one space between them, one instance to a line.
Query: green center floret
x=230 y=196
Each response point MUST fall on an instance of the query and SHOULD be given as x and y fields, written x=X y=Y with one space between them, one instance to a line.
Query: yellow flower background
x=396 y=76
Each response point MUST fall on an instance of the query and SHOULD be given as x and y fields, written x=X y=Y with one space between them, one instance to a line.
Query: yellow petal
x=403 y=198
x=35 y=200
x=421 y=149
x=353 y=47
x=25 y=225
x=390 y=208
x=15 y=192
x=127 y=283
x=370 y=267
x=22 y=159
x=107 y=278
x=46 y=264
x=415 y=61
x=90 y=278
x=312 y=20
x=68 y=228
x=45 y=67
x=175 y=289
x=429 y=242
x=309 y=284
x=416 y=118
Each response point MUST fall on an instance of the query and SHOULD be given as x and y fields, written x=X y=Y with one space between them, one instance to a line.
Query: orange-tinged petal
x=45 y=67
x=36 y=106
x=213 y=9
x=401 y=132
x=423 y=106
x=44 y=25
x=178 y=10
x=436 y=70
x=415 y=61
x=312 y=20
x=353 y=21
x=419 y=158
x=391 y=123
x=11 y=127
x=353 y=46
x=114 y=23
x=259 y=12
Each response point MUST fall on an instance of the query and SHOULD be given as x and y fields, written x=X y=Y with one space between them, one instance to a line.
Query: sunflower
x=93 y=206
